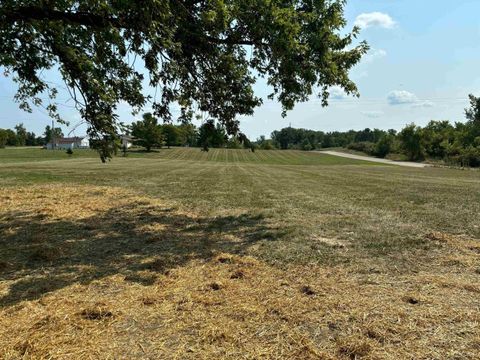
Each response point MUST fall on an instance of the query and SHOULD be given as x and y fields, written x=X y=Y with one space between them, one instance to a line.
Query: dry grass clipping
x=231 y=306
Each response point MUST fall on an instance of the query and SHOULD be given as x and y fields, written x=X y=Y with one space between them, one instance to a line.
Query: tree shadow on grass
x=138 y=241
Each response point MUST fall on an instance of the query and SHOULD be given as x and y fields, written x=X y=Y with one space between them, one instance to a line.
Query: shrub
x=470 y=157
x=384 y=146
x=363 y=146
x=306 y=146
x=70 y=151
x=3 y=138
x=411 y=142
x=267 y=145
x=234 y=143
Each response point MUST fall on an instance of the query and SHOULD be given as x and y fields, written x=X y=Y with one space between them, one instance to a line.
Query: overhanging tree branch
x=194 y=50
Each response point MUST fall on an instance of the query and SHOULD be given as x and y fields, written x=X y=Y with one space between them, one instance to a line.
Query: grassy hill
x=229 y=254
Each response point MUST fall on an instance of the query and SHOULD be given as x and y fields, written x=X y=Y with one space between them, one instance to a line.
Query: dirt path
x=383 y=161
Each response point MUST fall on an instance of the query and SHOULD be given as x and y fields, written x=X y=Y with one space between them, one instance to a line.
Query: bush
x=234 y=143
x=384 y=146
x=412 y=142
x=470 y=157
x=363 y=146
x=69 y=151
x=267 y=145
x=3 y=138
x=306 y=146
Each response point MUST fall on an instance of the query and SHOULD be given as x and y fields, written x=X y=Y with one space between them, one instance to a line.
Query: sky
x=422 y=65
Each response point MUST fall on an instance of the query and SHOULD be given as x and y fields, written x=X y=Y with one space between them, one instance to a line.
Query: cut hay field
x=182 y=254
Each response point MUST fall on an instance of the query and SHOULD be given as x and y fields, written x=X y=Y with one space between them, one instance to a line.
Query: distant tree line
x=21 y=137
x=149 y=133
x=455 y=144
x=303 y=139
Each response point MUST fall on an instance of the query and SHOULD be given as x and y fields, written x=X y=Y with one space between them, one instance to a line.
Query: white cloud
x=400 y=97
x=372 y=114
x=424 y=104
x=337 y=93
x=367 y=20
x=374 y=54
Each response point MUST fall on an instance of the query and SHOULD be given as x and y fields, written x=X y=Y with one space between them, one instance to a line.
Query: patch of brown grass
x=226 y=305
x=201 y=312
x=96 y=313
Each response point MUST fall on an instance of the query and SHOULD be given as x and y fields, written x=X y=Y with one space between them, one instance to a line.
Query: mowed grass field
x=191 y=154
x=231 y=254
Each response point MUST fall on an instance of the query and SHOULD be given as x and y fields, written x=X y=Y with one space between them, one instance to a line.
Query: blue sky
x=422 y=64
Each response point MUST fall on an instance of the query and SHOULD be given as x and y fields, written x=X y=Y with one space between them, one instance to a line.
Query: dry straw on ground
x=92 y=272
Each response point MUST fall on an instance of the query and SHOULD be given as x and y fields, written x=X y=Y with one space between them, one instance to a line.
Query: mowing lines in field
x=202 y=155
x=216 y=155
x=282 y=157
x=273 y=157
x=271 y=191
x=261 y=156
x=183 y=183
x=227 y=155
x=292 y=156
x=182 y=155
x=191 y=154
x=248 y=156
x=243 y=155
x=258 y=156
x=235 y=156
x=174 y=154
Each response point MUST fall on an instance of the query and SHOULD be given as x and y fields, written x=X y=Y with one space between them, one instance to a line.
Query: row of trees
x=457 y=143
x=150 y=134
x=147 y=132
x=303 y=139
x=21 y=137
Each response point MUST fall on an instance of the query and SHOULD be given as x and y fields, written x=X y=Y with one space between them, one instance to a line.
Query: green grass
x=290 y=157
x=29 y=154
x=381 y=211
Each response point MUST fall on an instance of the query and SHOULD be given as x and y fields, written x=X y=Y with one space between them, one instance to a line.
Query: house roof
x=127 y=137
x=69 y=140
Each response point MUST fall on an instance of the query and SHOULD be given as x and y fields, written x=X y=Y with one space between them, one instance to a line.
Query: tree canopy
x=52 y=133
x=147 y=132
x=204 y=55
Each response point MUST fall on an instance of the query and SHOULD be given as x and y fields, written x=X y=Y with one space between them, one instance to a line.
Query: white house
x=69 y=143
x=126 y=141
